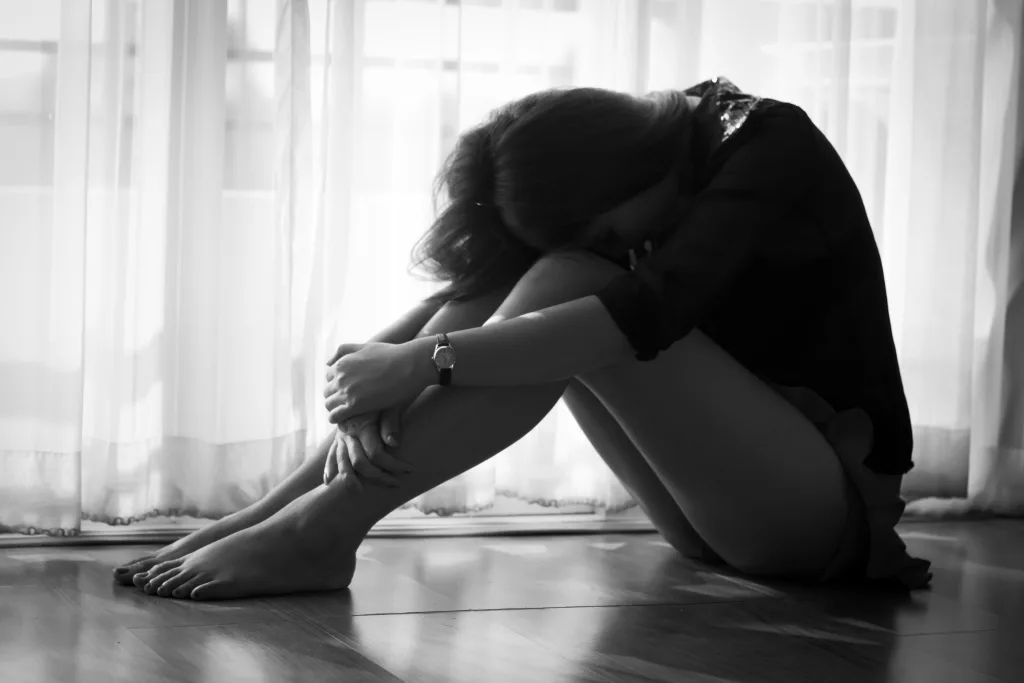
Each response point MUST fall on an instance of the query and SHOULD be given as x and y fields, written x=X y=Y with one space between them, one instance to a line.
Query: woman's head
x=553 y=170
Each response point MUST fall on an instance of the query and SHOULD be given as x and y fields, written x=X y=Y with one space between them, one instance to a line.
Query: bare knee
x=556 y=278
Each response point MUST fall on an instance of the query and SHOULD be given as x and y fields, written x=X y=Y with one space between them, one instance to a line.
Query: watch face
x=444 y=357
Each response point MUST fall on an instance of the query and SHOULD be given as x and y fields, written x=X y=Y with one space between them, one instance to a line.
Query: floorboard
x=586 y=608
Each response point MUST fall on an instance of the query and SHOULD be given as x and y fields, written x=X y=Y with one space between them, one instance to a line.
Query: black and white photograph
x=524 y=341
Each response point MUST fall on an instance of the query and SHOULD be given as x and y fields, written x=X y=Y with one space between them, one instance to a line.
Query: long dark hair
x=531 y=178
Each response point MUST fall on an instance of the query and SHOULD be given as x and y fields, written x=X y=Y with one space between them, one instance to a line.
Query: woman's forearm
x=409 y=325
x=546 y=346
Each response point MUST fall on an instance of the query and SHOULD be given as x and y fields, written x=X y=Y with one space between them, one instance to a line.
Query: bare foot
x=301 y=548
x=194 y=541
x=307 y=477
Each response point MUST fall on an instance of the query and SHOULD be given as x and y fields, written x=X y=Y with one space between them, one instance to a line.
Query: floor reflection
x=533 y=608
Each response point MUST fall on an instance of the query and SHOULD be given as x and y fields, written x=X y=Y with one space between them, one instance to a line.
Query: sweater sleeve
x=768 y=170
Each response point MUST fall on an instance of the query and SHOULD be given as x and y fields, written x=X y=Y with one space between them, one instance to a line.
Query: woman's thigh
x=621 y=456
x=755 y=477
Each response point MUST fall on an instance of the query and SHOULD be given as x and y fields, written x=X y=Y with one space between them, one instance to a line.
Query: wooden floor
x=534 y=609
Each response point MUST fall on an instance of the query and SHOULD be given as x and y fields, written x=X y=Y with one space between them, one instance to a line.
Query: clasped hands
x=369 y=386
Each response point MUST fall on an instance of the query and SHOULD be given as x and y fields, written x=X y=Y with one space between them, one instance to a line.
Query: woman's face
x=638 y=219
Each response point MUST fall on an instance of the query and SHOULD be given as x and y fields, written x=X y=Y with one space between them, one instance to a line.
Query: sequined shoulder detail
x=725 y=104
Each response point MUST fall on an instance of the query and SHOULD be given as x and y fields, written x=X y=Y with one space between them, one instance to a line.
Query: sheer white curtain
x=153 y=348
x=922 y=99
x=200 y=198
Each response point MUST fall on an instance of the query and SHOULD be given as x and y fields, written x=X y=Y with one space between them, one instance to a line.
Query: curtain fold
x=202 y=198
x=996 y=463
x=970 y=443
x=43 y=306
x=187 y=367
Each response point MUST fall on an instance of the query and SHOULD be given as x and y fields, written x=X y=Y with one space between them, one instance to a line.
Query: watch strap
x=444 y=375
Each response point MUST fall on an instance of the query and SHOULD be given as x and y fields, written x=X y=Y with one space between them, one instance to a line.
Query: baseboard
x=486 y=526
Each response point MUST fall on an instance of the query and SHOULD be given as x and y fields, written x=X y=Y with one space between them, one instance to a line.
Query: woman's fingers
x=362 y=465
x=338 y=411
x=390 y=424
x=373 y=446
x=358 y=450
x=331 y=464
x=336 y=402
x=345 y=470
x=344 y=350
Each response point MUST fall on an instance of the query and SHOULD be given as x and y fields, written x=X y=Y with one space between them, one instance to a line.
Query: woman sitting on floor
x=694 y=273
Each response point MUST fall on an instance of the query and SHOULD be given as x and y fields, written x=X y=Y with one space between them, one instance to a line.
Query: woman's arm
x=553 y=344
x=644 y=311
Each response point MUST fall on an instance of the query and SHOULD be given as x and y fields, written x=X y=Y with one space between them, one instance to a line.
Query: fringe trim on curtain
x=35 y=531
x=918 y=510
x=449 y=511
x=439 y=511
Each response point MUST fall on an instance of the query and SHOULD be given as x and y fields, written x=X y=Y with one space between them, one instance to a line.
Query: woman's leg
x=310 y=473
x=751 y=474
x=746 y=469
x=757 y=480
x=622 y=457
x=304 y=479
x=310 y=544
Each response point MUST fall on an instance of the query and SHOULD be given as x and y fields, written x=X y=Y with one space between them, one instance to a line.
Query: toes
x=125 y=578
x=126 y=573
x=143 y=565
x=180 y=576
x=143 y=578
x=212 y=590
x=126 y=567
x=138 y=569
x=153 y=585
x=185 y=589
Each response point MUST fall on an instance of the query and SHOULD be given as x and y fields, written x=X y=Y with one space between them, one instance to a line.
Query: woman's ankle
x=352 y=507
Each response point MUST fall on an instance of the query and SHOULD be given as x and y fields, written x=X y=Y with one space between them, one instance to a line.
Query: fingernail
x=392 y=440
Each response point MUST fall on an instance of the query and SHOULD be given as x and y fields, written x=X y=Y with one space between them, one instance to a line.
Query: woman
x=694 y=273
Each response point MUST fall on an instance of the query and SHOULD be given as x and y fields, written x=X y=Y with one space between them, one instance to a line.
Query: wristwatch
x=444 y=359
